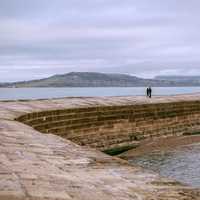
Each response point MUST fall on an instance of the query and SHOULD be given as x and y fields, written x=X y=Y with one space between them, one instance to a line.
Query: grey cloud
x=40 y=38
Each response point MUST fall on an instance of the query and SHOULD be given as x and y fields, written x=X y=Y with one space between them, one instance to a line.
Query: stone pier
x=52 y=149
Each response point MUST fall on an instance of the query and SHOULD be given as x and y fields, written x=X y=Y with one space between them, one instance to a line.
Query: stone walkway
x=34 y=166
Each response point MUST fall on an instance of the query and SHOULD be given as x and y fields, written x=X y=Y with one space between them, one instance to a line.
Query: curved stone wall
x=118 y=127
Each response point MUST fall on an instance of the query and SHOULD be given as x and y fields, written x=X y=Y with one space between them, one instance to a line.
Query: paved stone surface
x=34 y=166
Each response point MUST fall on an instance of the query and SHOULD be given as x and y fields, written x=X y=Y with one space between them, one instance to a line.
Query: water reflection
x=182 y=164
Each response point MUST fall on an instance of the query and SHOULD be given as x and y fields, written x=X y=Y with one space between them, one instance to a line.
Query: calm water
x=182 y=165
x=40 y=93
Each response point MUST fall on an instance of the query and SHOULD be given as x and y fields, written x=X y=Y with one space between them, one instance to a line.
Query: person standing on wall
x=150 y=92
x=147 y=91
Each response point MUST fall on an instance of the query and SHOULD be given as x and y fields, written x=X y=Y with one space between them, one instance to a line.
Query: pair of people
x=149 y=91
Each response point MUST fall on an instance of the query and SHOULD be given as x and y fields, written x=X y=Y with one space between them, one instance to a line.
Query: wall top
x=13 y=109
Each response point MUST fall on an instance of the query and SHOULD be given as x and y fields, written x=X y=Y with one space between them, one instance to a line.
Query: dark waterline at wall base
x=118 y=150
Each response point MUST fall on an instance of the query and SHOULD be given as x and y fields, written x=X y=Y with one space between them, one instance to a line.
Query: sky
x=39 y=38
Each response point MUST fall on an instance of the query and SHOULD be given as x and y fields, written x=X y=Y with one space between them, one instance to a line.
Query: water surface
x=182 y=164
x=41 y=93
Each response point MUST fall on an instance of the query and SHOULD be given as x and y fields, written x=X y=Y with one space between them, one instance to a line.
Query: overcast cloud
x=39 y=38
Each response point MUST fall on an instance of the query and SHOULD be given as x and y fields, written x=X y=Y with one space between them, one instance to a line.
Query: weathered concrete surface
x=37 y=166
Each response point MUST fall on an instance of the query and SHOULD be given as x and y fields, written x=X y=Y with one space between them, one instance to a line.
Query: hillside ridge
x=95 y=79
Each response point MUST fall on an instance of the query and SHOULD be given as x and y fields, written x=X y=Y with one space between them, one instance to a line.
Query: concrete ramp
x=38 y=166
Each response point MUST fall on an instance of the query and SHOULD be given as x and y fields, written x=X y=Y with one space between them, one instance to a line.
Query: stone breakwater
x=55 y=165
x=110 y=128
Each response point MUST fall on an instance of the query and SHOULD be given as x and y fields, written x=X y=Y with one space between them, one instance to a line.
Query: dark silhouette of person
x=147 y=92
x=150 y=91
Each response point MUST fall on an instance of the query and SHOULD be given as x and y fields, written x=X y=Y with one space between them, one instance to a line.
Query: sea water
x=182 y=164
x=42 y=93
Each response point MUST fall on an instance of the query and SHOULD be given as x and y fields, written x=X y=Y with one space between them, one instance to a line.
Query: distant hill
x=92 y=79
x=193 y=80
